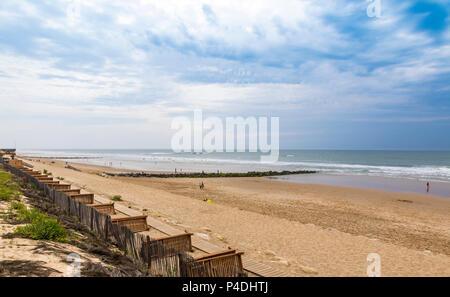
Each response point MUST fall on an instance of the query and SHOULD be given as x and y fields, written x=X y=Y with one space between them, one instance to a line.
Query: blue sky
x=112 y=74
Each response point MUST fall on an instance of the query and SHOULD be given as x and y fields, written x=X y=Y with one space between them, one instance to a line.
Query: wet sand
x=398 y=185
x=303 y=229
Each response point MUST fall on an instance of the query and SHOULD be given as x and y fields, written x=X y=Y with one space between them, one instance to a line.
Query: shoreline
x=386 y=184
x=301 y=229
x=426 y=165
x=368 y=182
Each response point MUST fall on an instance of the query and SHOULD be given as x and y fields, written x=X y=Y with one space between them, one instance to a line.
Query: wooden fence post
x=108 y=220
x=149 y=255
x=92 y=218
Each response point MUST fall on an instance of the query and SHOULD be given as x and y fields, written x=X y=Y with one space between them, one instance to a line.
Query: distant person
x=202 y=186
x=428 y=187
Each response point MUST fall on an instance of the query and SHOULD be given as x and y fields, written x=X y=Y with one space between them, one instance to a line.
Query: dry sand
x=26 y=257
x=302 y=229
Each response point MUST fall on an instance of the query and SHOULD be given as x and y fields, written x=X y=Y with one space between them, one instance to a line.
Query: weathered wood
x=71 y=191
x=214 y=255
x=25 y=168
x=229 y=264
x=108 y=223
x=37 y=176
x=83 y=198
x=92 y=218
x=107 y=208
x=15 y=163
x=135 y=224
x=60 y=186
x=27 y=164
x=50 y=182
x=35 y=172
x=180 y=242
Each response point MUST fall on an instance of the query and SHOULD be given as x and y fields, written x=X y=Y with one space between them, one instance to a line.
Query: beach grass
x=43 y=228
x=9 y=190
x=116 y=198
x=40 y=226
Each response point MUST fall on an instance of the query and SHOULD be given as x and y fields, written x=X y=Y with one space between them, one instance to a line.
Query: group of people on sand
x=202 y=185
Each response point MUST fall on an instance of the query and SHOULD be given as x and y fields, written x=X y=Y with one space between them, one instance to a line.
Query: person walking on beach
x=202 y=186
x=428 y=187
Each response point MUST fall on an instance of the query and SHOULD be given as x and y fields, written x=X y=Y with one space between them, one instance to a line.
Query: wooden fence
x=164 y=257
x=107 y=208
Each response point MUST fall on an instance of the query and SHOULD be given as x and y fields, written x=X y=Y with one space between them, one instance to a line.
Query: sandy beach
x=302 y=229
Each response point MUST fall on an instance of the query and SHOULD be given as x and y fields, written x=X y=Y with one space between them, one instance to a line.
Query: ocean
x=416 y=165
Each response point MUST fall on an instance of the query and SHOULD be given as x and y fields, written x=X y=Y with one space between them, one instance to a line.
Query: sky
x=113 y=74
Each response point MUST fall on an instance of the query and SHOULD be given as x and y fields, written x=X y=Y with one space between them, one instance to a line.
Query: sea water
x=398 y=171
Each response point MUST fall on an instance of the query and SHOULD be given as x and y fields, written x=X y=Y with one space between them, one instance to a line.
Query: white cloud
x=108 y=65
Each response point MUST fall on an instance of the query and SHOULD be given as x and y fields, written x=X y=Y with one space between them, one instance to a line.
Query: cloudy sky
x=112 y=74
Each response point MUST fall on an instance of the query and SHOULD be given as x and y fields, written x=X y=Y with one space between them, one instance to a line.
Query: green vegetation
x=31 y=215
x=60 y=178
x=9 y=190
x=39 y=227
x=44 y=229
x=116 y=198
x=14 y=209
x=17 y=206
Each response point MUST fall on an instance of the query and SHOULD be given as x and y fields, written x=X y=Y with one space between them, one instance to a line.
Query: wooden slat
x=250 y=265
x=123 y=219
x=261 y=269
x=107 y=208
x=83 y=198
x=50 y=182
x=174 y=236
x=164 y=228
x=223 y=253
x=71 y=191
x=180 y=242
x=61 y=186
x=135 y=224
x=205 y=246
